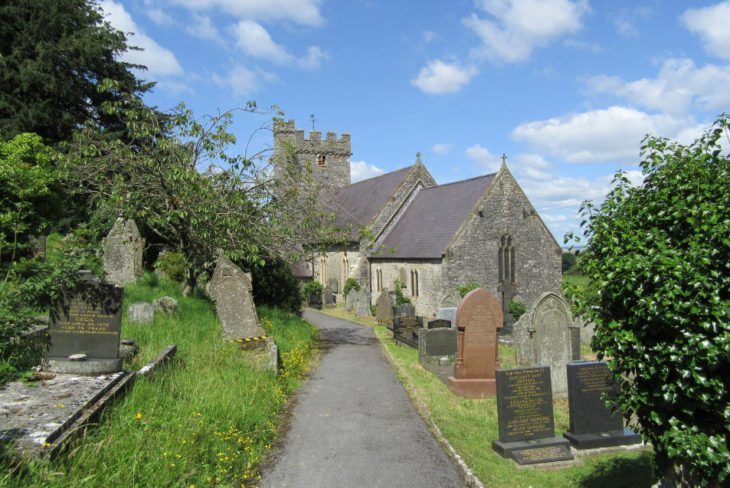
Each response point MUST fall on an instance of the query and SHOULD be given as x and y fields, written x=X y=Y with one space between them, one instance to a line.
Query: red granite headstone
x=478 y=320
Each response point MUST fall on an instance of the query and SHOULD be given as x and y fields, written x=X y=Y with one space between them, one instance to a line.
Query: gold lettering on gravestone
x=85 y=319
x=527 y=402
x=541 y=453
x=592 y=379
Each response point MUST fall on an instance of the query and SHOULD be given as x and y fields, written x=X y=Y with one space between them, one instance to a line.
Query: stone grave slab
x=575 y=343
x=384 y=308
x=85 y=329
x=525 y=416
x=141 y=313
x=350 y=300
x=406 y=330
x=362 y=304
x=478 y=320
x=230 y=289
x=437 y=351
x=329 y=297
x=592 y=424
x=123 y=248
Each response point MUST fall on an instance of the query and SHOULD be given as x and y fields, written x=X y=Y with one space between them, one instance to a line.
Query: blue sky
x=566 y=88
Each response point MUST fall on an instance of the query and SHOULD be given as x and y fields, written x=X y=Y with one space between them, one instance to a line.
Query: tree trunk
x=190 y=282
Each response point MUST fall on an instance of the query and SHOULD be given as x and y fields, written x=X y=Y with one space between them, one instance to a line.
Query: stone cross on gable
x=504 y=159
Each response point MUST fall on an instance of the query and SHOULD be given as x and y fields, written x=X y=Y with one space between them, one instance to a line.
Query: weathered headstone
x=334 y=285
x=542 y=337
x=230 y=289
x=478 y=320
x=406 y=329
x=141 y=313
x=405 y=310
x=85 y=329
x=439 y=324
x=123 y=248
x=592 y=424
x=447 y=313
x=167 y=305
x=329 y=297
x=384 y=308
x=437 y=351
x=525 y=417
x=575 y=343
x=315 y=301
x=350 y=300
x=362 y=304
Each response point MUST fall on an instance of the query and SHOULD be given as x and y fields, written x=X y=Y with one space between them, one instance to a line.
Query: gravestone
x=334 y=285
x=575 y=343
x=85 y=329
x=384 y=308
x=439 y=324
x=123 y=248
x=141 y=313
x=350 y=300
x=478 y=320
x=406 y=329
x=447 y=313
x=542 y=337
x=525 y=417
x=405 y=310
x=437 y=351
x=230 y=289
x=362 y=304
x=329 y=297
x=592 y=424
x=167 y=305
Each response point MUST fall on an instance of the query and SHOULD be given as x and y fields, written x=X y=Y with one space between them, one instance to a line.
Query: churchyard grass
x=471 y=425
x=207 y=418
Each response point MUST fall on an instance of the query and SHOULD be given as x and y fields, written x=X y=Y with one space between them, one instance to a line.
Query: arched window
x=323 y=270
x=321 y=160
x=345 y=269
x=379 y=279
x=506 y=261
x=414 y=283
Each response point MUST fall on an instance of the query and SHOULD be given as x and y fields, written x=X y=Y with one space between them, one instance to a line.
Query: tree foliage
x=53 y=56
x=569 y=260
x=659 y=257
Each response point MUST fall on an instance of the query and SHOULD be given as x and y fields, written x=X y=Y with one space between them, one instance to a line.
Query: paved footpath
x=354 y=425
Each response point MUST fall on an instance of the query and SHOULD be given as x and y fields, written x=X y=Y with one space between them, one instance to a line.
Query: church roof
x=358 y=204
x=432 y=219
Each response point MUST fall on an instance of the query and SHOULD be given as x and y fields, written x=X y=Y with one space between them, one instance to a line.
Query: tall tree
x=53 y=56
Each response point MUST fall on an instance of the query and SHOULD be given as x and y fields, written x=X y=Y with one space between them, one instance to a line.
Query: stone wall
x=334 y=262
x=429 y=281
x=472 y=256
x=334 y=173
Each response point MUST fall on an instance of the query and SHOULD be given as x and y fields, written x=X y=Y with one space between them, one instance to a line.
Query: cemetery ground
x=471 y=425
x=206 y=418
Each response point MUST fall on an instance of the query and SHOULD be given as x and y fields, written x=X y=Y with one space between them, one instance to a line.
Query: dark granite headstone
x=315 y=301
x=329 y=297
x=592 y=424
x=437 y=351
x=87 y=324
x=406 y=329
x=439 y=323
x=525 y=416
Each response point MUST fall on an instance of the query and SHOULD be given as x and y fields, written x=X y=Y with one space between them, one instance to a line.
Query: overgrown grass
x=206 y=419
x=471 y=425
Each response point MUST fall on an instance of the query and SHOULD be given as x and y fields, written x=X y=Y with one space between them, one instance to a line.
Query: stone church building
x=431 y=238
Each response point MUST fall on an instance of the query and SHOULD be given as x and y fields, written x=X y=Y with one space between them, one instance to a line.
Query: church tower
x=329 y=158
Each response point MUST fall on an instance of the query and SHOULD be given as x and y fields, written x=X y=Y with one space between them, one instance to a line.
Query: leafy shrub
x=400 y=298
x=467 y=287
x=274 y=285
x=569 y=260
x=658 y=257
x=517 y=309
x=312 y=288
x=350 y=284
x=171 y=265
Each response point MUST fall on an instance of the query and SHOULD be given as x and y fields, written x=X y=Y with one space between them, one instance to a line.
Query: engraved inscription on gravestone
x=406 y=329
x=439 y=323
x=437 y=351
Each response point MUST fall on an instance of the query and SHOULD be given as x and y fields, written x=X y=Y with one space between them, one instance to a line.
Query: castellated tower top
x=328 y=158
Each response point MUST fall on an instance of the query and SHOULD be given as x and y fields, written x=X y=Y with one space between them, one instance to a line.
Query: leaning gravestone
x=525 y=417
x=362 y=304
x=447 y=313
x=437 y=351
x=405 y=310
x=85 y=329
x=384 y=308
x=592 y=424
x=329 y=297
x=350 y=300
x=123 y=248
x=230 y=289
x=543 y=337
x=141 y=313
x=478 y=320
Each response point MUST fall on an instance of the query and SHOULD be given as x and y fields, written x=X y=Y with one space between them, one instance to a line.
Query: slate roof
x=432 y=219
x=358 y=204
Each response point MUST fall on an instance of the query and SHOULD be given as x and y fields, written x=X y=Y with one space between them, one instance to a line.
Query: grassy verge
x=471 y=425
x=206 y=419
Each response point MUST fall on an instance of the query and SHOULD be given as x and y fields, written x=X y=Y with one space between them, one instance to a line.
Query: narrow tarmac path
x=354 y=425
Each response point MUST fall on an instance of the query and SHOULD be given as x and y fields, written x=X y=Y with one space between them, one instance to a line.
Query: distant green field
x=575 y=279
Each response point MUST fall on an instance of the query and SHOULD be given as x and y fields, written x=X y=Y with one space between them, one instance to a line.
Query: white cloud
x=590 y=47
x=159 y=16
x=158 y=60
x=255 y=41
x=442 y=148
x=202 y=27
x=243 y=81
x=516 y=27
x=483 y=158
x=678 y=86
x=613 y=134
x=305 y=12
x=532 y=166
x=360 y=170
x=439 y=77
x=313 y=59
x=711 y=24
